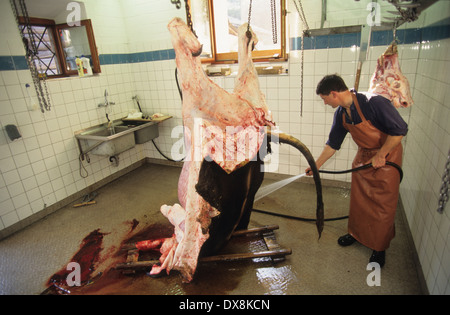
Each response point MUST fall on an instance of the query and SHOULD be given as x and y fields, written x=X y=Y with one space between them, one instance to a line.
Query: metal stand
x=274 y=250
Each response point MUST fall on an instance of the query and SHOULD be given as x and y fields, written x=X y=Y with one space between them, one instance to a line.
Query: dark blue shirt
x=378 y=109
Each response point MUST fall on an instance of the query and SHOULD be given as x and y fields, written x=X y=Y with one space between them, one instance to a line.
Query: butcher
x=377 y=128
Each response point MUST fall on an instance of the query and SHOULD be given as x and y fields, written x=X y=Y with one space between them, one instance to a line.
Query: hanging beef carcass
x=388 y=80
x=222 y=170
x=223 y=133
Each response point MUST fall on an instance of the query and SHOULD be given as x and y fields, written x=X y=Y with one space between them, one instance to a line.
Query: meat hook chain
x=189 y=17
x=248 y=33
x=443 y=196
x=302 y=16
x=31 y=53
x=273 y=12
x=177 y=4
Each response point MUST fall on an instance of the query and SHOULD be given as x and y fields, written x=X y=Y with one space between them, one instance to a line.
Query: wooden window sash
x=61 y=59
x=257 y=56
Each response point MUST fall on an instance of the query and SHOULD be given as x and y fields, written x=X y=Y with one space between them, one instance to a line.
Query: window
x=57 y=46
x=216 y=22
x=41 y=37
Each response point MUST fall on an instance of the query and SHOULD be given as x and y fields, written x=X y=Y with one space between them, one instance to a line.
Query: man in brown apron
x=377 y=128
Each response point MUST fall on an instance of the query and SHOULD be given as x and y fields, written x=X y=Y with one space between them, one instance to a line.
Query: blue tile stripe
x=13 y=63
x=440 y=30
x=157 y=55
x=378 y=38
x=20 y=63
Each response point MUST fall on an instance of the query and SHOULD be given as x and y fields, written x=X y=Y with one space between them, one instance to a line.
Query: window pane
x=75 y=44
x=45 y=56
x=230 y=14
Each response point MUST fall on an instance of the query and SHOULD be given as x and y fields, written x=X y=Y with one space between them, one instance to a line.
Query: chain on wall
x=302 y=16
x=443 y=194
x=19 y=8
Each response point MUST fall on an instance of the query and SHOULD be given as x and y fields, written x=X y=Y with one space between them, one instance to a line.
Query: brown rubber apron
x=374 y=192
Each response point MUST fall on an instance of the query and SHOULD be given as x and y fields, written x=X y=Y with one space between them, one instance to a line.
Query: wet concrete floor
x=130 y=205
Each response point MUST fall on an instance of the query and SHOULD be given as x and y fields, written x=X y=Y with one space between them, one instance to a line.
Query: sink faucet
x=106 y=103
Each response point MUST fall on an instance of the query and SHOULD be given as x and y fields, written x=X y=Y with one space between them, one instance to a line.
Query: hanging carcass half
x=222 y=170
x=388 y=80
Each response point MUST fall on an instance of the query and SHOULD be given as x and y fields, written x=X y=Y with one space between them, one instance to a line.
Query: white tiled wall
x=43 y=167
x=426 y=153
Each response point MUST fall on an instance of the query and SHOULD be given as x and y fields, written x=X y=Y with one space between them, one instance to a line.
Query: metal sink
x=115 y=139
x=143 y=131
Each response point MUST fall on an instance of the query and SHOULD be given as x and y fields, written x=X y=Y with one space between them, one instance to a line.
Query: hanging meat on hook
x=223 y=168
x=388 y=80
x=223 y=134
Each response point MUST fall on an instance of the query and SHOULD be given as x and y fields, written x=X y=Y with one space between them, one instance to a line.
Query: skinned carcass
x=223 y=168
x=223 y=134
x=388 y=80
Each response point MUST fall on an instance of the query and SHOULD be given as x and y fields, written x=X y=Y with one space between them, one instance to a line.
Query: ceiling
x=51 y=9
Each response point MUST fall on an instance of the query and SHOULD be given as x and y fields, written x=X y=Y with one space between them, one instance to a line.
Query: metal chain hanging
x=39 y=79
x=248 y=33
x=273 y=11
x=301 y=14
x=189 y=17
x=443 y=196
x=177 y=4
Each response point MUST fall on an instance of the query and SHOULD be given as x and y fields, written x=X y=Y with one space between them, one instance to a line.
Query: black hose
x=295 y=217
x=181 y=96
x=167 y=158
x=399 y=169
x=178 y=85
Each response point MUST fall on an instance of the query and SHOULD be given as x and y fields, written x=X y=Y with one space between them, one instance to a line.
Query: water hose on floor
x=165 y=156
x=399 y=169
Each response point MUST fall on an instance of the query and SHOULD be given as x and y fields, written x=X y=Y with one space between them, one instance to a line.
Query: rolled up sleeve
x=337 y=132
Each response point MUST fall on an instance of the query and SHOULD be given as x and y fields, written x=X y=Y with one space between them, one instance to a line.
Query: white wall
x=426 y=153
x=42 y=168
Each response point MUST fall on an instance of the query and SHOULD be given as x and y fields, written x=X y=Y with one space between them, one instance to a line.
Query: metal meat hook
x=177 y=3
x=249 y=36
x=197 y=53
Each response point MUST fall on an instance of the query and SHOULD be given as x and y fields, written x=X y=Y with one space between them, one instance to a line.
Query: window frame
x=257 y=56
x=50 y=25
x=92 y=46
x=59 y=52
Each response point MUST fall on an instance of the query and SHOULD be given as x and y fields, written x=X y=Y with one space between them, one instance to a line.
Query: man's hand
x=378 y=161
x=327 y=152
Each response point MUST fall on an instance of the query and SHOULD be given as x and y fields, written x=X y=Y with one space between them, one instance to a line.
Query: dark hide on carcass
x=232 y=195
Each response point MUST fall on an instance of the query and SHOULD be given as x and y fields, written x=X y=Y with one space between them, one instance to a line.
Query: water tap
x=106 y=103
